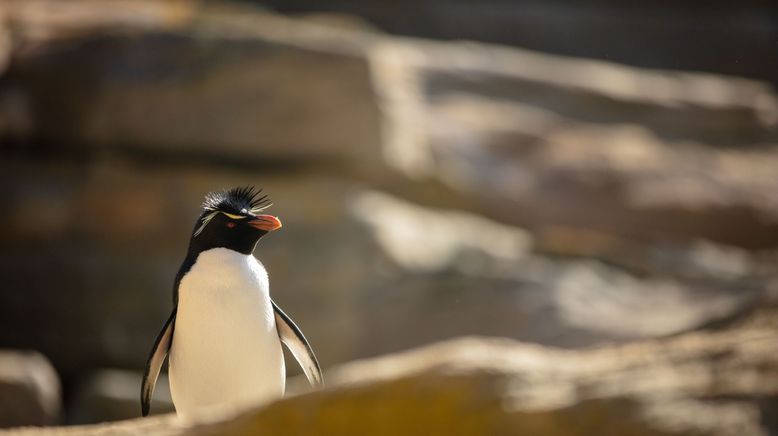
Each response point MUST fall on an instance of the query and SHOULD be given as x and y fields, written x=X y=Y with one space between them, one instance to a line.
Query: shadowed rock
x=29 y=390
x=428 y=190
x=707 y=383
x=524 y=138
x=424 y=274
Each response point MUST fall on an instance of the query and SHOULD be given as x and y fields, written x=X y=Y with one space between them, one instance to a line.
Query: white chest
x=226 y=350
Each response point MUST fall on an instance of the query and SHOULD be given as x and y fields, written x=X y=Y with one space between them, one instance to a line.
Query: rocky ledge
x=719 y=381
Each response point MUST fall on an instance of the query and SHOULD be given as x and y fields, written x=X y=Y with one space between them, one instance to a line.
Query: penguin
x=223 y=337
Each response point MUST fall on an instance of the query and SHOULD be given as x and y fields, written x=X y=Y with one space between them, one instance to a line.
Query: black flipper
x=294 y=340
x=154 y=364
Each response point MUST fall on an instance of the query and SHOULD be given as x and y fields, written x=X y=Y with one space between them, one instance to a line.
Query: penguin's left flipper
x=293 y=338
x=154 y=364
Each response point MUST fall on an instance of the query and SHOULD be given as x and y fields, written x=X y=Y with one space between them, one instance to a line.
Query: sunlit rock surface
x=428 y=190
x=714 y=382
x=650 y=34
x=362 y=272
x=170 y=78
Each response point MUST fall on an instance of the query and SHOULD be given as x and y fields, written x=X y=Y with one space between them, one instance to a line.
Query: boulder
x=424 y=274
x=525 y=138
x=428 y=190
x=714 y=382
x=230 y=84
x=29 y=390
x=542 y=141
x=651 y=34
x=114 y=395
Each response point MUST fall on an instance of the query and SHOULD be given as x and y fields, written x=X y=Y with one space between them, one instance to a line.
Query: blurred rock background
x=568 y=175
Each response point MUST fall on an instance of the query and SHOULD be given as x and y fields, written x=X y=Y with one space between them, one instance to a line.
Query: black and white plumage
x=224 y=333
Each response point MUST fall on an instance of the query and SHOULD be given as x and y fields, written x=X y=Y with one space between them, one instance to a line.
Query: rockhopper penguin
x=224 y=334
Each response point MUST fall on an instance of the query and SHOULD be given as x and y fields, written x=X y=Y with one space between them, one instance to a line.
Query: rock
x=715 y=382
x=153 y=426
x=113 y=395
x=433 y=272
x=540 y=141
x=233 y=84
x=428 y=190
x=29 y=390
x=524 y=138
x=651 y=35
x=458 y=273
x=662 y=388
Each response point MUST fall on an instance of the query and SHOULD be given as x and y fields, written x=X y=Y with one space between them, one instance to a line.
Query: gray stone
x=433 y=272
x=113 y=395
x=534 y=140
x=715 y=382
x=29 y=390
x=458 y=273
x=428 y=190
x=543 y=142
x=654 y=35
x=231 y=84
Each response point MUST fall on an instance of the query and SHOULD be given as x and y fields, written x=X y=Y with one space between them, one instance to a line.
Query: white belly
x=226 y=351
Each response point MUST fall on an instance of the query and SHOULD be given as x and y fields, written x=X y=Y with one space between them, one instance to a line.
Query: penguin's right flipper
x=154 y=364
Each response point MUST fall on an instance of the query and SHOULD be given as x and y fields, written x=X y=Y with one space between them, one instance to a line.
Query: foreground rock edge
x=487 y=384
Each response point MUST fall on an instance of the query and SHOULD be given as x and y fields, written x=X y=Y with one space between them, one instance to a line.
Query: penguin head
x=231 y=219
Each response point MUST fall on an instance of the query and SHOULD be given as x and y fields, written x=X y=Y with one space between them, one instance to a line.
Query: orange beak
x=267 y=223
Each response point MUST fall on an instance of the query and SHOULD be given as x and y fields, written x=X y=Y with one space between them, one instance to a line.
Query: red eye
x=230 y=224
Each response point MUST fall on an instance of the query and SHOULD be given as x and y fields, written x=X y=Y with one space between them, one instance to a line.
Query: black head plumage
x=231 y=219
x=242 y=200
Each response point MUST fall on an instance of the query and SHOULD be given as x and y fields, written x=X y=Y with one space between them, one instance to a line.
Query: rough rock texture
x=428 y=189
x=112 y=395
x=708 y=383
x=650 y=34
x=528 y=139
x=545 y=142
x=29 y=390
x=421 y=263
x=171 y=77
